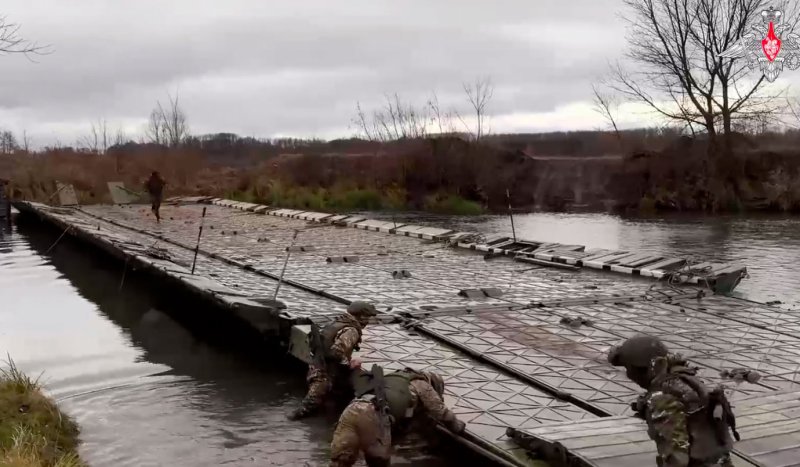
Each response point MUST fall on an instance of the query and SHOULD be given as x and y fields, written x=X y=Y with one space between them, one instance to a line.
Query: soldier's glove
x=639 y=405
x=456 y=426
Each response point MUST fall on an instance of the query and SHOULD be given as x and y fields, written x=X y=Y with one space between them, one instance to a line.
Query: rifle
x=379 y=388
x=316 y=348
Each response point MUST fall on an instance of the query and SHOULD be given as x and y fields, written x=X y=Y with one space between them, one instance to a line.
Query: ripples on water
x=147 y=392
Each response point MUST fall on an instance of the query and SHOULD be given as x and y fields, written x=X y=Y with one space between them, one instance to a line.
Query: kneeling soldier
x=332 y=361
x=384 y=403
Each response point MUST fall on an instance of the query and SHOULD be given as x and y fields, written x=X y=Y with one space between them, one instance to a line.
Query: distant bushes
x=444 y=174
x=452 y=204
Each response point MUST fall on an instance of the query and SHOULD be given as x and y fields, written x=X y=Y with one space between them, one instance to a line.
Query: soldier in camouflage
x=339 y=340
x=690 y=425
x=366 y=427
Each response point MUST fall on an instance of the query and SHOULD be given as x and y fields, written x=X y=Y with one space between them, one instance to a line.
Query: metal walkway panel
x=708 y=340
x=569 y=360
x=604 y=442
x=485 y=399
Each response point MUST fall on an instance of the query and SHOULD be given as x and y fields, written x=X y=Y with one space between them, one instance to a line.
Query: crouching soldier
x=332 y=351
x=385 y=404
x=690 y=425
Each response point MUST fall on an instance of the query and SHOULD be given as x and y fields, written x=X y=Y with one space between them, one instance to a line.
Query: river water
x=148 y=392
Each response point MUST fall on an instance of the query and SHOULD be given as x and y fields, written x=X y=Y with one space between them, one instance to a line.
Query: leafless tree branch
x=479 y=94
x=12 y=43
x=607 y=105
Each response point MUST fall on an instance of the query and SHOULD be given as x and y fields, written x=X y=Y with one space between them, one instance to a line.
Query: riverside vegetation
x=644 y=170
x=33 y=430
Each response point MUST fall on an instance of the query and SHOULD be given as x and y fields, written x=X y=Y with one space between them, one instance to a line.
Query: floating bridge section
x=520 y=332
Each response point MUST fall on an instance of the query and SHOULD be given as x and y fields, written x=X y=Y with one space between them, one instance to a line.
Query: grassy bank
x=33 y=431
x=348 y=198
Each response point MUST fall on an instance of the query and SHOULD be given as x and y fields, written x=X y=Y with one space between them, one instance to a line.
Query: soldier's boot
x=305 y=410
x=377 y=461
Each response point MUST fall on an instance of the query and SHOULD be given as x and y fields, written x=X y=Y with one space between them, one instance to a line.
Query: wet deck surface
x=508 y=360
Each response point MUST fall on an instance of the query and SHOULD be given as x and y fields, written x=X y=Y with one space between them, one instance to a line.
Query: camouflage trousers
x=319 y=385
x=360 y=429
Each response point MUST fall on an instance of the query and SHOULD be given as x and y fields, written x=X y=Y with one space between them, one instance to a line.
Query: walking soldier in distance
x=155 y=188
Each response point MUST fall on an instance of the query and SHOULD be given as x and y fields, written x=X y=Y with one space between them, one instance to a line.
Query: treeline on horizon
x=657 y=169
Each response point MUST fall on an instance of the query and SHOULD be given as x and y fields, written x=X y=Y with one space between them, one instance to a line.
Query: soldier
x=385 y=404
x=690 y=425
x=155 y=187
x=333 y=362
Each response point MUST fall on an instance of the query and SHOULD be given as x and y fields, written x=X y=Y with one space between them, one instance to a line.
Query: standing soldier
x=332 y=361
x=384 y=404
x=155 y=187
x=690 y=425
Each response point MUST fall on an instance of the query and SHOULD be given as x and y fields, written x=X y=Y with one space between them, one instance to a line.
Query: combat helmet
x=637 y=352
x=359 y=309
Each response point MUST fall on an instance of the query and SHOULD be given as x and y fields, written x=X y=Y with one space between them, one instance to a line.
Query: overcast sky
x=297 y=68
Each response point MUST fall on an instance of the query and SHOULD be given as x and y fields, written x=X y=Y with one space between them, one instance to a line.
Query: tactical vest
x=398 y=393
x=329 y=334
x=710 y=419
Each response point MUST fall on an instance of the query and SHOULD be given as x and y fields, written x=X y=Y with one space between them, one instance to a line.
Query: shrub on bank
x=33 y=430
x=452 y=204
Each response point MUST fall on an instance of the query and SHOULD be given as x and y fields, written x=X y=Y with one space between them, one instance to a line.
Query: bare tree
x=12 y=43
x=98 y=138
x=676 y=45
x=26 y=142
x=395 y=120
x=173 y=122
x=479 y=93
x=120 y=137
x=154 y=131
x=607 y=104
x=8 y=143
x=442 y=119
x=167 y=125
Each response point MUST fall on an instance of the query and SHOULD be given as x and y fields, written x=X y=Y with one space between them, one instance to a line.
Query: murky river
x=148 y=392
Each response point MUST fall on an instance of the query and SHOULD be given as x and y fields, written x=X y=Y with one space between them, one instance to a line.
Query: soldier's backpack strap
x=716 y=406
x=414 y=374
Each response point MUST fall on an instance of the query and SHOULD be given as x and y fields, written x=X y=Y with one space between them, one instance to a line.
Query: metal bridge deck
x=529 y=354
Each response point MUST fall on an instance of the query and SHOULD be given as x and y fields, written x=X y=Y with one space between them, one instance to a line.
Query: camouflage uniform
x=677 y=407
x=361 y=428
x=345 y=332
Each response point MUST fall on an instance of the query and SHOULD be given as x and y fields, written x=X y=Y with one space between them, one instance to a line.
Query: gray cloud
x=295 y=68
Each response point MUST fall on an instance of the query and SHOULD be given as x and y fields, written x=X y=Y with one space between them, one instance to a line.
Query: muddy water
x=149 y=392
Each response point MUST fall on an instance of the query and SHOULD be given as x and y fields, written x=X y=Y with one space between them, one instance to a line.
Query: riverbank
x=33 y=430
x=446 y=175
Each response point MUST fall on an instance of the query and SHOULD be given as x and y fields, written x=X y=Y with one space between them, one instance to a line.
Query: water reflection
x=145 y=388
